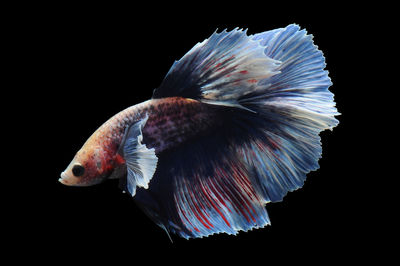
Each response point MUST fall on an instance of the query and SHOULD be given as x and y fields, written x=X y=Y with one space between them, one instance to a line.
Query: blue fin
x=302 y=84
x=219 y=70
x=141 y=162
x=203 y=188
x=294 y=106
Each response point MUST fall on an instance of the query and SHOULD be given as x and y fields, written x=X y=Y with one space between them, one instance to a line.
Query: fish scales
x=171 y=121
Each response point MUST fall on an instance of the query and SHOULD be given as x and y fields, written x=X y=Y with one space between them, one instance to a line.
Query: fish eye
x=78 y=170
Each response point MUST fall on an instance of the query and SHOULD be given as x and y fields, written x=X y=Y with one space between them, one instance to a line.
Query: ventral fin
x=141 y=162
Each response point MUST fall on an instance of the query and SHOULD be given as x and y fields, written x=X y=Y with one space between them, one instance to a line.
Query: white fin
x=141 y=162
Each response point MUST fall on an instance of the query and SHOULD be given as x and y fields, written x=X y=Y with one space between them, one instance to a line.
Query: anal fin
x=202 y=188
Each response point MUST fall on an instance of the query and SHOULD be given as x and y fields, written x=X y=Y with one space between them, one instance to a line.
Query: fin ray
x=141 y=162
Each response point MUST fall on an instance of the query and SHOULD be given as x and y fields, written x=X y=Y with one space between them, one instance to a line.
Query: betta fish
x=233 y=126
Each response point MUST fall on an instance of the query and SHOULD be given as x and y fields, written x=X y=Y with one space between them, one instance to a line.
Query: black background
x=88 y=63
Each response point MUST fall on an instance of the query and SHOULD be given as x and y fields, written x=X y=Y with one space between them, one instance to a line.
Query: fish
x=233 y=126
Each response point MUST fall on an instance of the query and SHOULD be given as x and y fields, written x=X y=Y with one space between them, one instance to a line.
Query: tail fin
x=296 y=105
x=256 y=156
x=302 y=84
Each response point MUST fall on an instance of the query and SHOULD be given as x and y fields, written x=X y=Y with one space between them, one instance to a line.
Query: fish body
x=171 y=121
x=233 y=126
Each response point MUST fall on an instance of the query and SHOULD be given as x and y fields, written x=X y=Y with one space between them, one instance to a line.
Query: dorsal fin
x=219 y=70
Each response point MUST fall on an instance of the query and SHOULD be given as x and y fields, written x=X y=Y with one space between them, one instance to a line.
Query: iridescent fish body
x=234 y=125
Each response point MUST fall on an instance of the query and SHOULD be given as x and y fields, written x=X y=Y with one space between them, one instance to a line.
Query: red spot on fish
x=252 y=81
x=218 y=66
x=244 y=72
x=119 y=160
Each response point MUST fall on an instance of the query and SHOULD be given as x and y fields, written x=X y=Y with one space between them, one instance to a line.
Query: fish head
x=90 y=166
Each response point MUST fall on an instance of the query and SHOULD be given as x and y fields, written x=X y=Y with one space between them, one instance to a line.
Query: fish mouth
x=63 y=179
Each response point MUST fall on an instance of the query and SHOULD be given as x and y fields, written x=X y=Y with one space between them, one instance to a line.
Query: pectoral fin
x=141 y=162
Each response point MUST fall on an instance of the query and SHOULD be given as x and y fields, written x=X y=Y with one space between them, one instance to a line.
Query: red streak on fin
x=200 y=216
x=273 y=143
x=239 y=177
x=184 y=215
x=197 y=211
x=218 y=195
x=238 y=199
x=209 y=64
x=252 y=81
x=244 y=72
x=211 y=200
